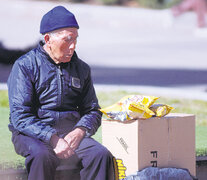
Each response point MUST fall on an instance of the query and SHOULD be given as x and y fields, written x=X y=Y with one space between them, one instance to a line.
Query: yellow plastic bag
x=115 y=112
x=161 y=110
x=135 y=112
x=130 y=107
x=142 y=100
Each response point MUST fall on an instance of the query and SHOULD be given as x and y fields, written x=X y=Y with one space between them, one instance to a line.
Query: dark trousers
x=41 y=161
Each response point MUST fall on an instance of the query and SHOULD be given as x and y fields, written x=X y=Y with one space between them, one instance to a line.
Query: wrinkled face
x=61 y=44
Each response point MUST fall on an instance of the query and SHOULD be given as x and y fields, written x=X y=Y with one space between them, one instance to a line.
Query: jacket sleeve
x=22 y=107
x=89 y=108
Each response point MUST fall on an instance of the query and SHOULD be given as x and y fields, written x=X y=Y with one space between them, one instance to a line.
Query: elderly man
x=53 y=106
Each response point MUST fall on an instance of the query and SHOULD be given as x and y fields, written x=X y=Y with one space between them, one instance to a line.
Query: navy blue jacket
x=46 y=98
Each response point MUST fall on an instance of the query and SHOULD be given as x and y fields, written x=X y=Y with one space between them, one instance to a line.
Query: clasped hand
x=65 y=147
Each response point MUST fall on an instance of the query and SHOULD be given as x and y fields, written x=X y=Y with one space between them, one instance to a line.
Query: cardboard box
x=158 y=142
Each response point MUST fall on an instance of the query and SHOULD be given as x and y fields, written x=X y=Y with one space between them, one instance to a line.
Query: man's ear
x=47 y=38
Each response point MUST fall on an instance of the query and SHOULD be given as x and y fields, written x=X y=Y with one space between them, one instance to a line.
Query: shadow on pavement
x=136 y=76
x=8 y=56
x=149 y=77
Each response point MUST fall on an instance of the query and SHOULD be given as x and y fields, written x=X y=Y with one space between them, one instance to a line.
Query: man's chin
x=67 y=59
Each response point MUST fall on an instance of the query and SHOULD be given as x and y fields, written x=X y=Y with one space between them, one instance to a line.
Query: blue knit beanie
x=58 y=17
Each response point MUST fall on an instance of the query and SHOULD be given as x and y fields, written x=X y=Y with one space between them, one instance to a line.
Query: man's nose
x=72 y=45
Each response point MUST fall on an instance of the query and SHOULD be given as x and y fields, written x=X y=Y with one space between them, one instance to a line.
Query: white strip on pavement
x=171 y=92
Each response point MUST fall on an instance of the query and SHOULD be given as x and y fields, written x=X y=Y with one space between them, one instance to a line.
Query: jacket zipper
x=59 y=74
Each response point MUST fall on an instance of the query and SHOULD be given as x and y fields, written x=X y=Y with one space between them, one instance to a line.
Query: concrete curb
x=3 y=86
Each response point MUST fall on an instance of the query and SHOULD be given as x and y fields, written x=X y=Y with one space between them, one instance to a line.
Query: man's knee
x=101 y=153
x=90 y=151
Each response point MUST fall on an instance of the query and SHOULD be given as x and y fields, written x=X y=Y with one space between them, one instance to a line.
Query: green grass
x=10 y=159
x=7 y=153
x=201 y=140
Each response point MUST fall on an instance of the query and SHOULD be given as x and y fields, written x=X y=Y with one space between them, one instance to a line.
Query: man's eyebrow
x=73 y=35
x=76 y=36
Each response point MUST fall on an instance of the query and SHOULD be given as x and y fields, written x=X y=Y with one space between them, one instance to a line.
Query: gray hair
x=51 y=34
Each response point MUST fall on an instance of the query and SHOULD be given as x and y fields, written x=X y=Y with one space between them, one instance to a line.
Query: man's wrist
x=53 y=140
x=82 y=130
